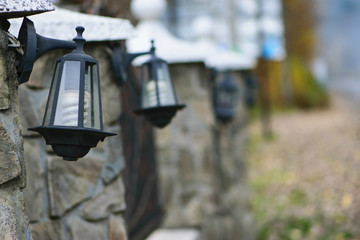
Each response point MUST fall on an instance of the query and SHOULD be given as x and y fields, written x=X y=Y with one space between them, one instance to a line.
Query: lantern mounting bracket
x=122 y=60
x=34 y=46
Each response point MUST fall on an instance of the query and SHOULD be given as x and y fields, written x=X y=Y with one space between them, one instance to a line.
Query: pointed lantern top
x=22 y=8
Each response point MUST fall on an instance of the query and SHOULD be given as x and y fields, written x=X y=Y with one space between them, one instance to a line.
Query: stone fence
x=201 y=162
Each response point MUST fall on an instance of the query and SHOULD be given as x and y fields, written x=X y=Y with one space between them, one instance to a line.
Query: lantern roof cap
x=23 y=8
x=228 y=83
x=59 y=23
x=153 y=57
x=78 y=53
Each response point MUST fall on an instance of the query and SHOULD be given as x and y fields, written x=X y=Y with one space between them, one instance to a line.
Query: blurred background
x=286 y=167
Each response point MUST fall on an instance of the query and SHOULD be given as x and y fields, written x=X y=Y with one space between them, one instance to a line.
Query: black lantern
x=73 y=118
x=225 y=97
x=159 y=102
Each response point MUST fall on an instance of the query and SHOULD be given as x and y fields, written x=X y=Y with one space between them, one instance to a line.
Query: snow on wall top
x=61 y=24
x=22 y=8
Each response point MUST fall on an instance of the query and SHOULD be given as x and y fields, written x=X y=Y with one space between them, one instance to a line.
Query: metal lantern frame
x=228 y=89
x=72 y=142
x=159 y=115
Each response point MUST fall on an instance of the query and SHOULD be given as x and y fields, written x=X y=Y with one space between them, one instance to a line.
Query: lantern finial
x=79 y=39
x=152 y=49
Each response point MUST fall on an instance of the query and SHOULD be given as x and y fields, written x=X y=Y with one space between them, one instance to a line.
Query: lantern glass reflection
x=49 y=107
x=92 y=97
x=157 y=86
x=65 y=108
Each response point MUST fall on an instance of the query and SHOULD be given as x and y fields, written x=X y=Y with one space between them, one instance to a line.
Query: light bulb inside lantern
x=152 y=99
x=68 y=108
x=87 y=102
x=165 y=93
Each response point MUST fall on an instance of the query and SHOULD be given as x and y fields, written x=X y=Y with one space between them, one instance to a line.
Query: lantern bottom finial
x=224 y=115
x=70 y=153
x=160 y=116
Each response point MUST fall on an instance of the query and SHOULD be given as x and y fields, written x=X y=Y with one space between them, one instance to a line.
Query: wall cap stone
x=61 y=24
x=22 y=8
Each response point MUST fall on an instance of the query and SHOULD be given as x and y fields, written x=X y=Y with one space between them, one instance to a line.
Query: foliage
x=298 y=89
x=292 y=83
x=300 y=228
x=307 y=92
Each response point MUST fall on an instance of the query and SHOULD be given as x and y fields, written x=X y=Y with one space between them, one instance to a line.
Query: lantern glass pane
x=225 y=99
x=50 y=102
x=166 y=89
x=148 y=93
x=157 y=86
x=91 y=97
x=67 y=108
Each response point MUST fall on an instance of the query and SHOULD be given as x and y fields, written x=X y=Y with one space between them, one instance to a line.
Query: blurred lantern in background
x=159 y=102
x=225 y=93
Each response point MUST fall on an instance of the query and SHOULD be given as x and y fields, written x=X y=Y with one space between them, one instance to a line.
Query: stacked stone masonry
x=13 y=221
x=202 y=162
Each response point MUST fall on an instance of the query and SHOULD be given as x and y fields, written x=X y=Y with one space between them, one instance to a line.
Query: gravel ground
x=305 y=180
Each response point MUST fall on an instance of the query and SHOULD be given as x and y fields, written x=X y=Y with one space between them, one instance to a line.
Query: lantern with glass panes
x=159 y=102
x=225 y=96
x=73 y=117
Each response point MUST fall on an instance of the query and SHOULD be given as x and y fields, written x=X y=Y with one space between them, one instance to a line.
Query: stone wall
x=13 y=221
x=202 y=163
x=73 y=200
